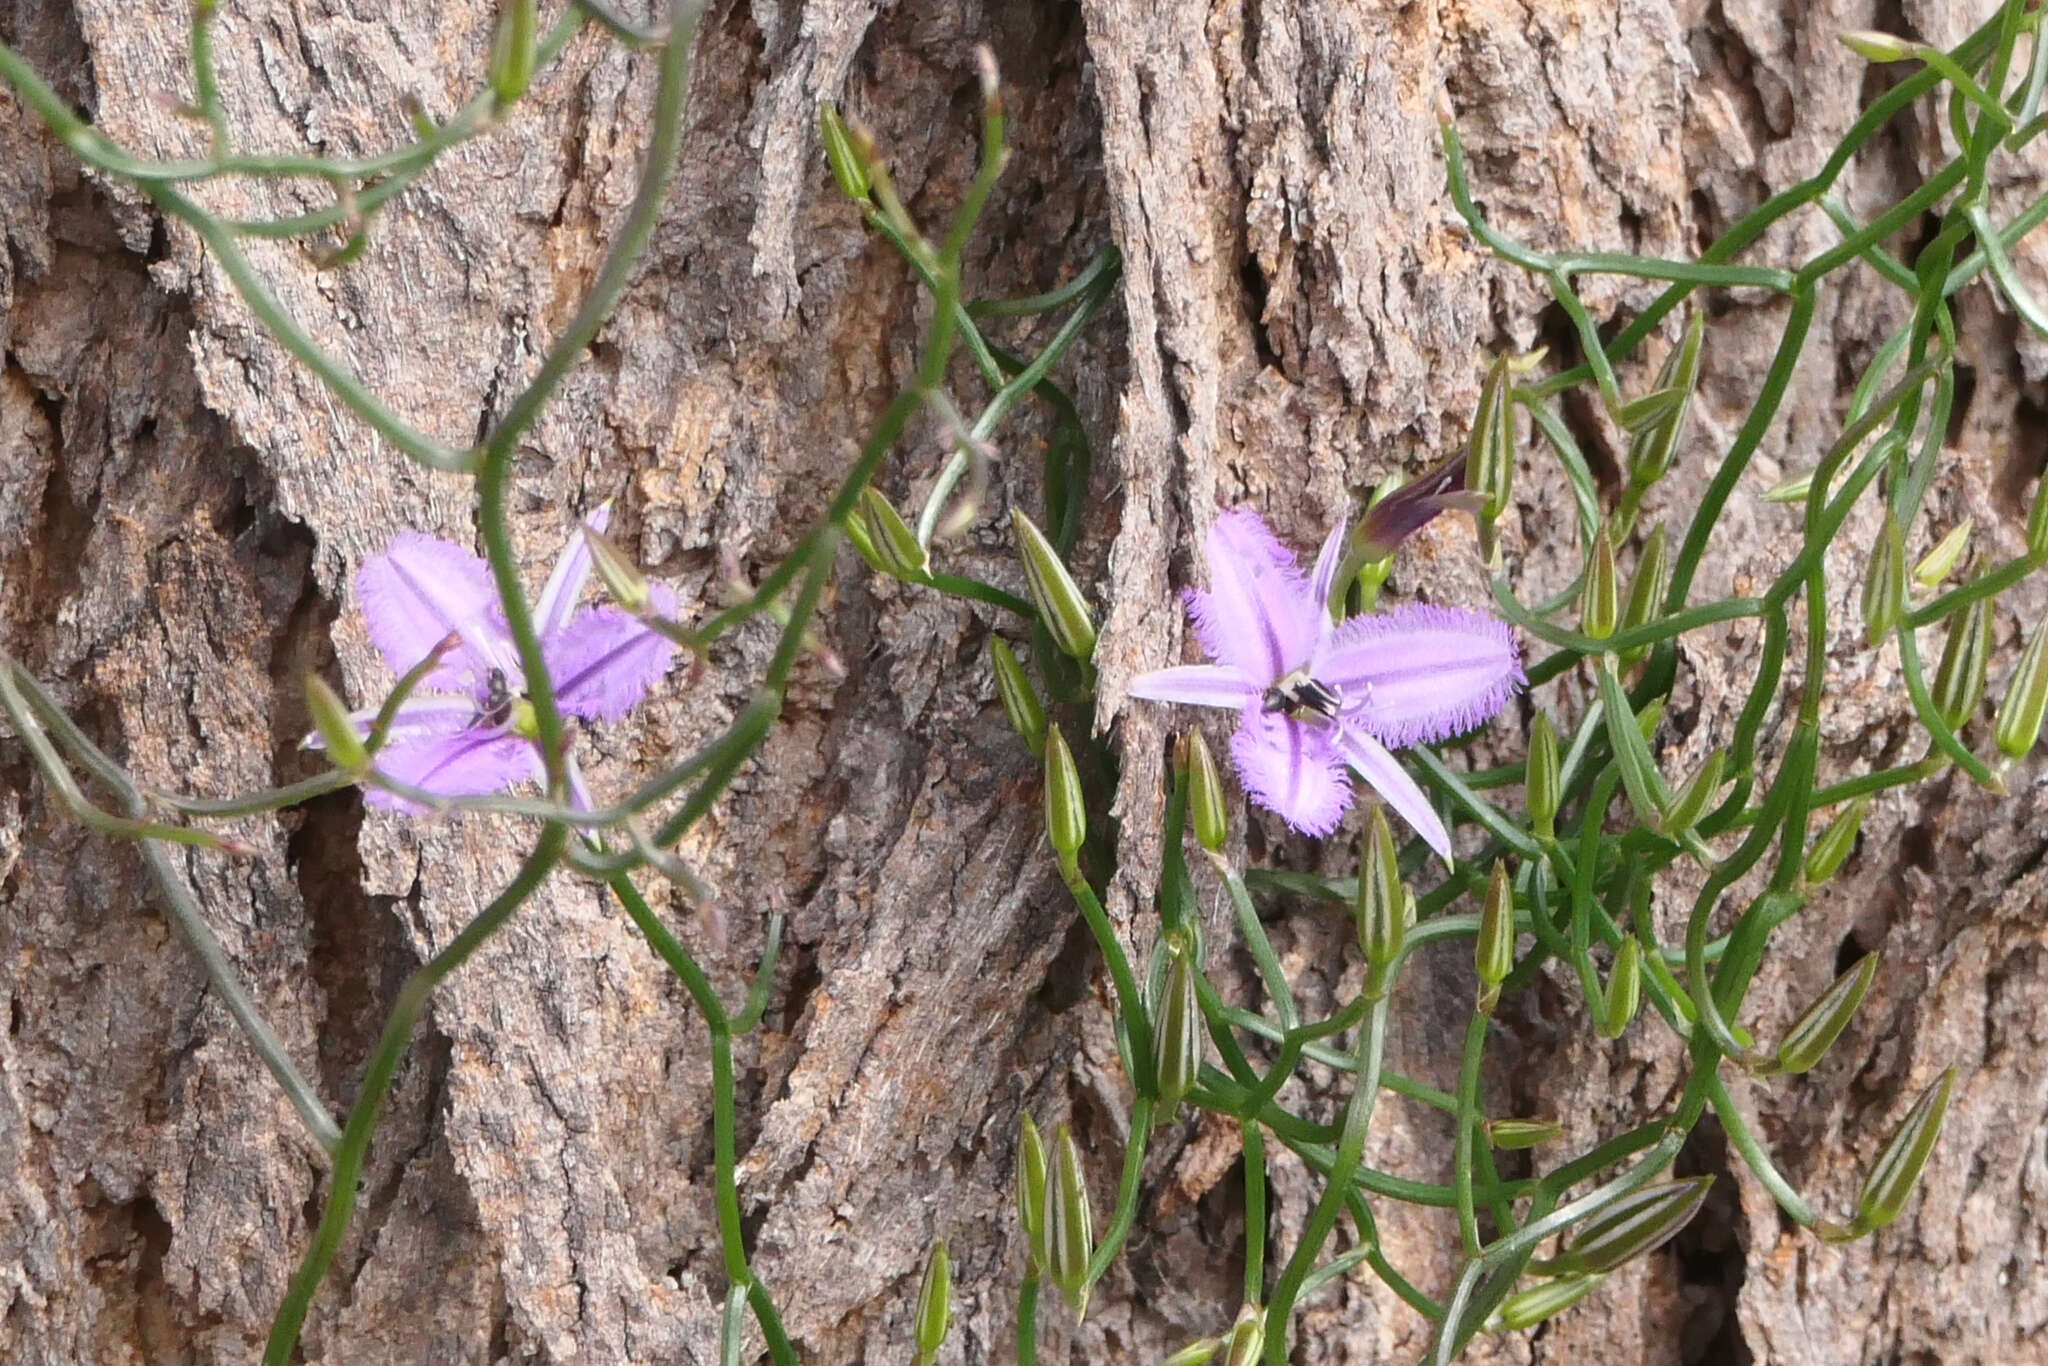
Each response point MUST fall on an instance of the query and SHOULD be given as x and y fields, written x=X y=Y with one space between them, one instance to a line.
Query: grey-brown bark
x=1301 y=312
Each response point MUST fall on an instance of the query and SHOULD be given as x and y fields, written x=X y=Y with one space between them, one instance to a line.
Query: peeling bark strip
x=184 y=508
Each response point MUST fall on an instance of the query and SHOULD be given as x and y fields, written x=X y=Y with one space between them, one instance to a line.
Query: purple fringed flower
x=472 y=731
x=1315 y=696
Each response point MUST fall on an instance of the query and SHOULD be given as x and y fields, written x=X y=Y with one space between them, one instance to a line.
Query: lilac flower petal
x=605 y=660
x=1325 y=579
x=1197 y=685
x=1421 y=673
x=1374 y=764
x=1291 y=768
x=467 y=763
x=419 y=590
x=1258 y=615
x=564 y=587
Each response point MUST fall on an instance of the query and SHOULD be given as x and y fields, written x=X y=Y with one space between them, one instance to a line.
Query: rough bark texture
x=183 y=510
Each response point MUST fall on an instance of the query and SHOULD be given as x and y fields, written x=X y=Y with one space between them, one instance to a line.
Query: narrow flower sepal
x=1020 y=699
x=1645 y=591
x=1891 y=1182
x=1540 y=780
x=1513 y=1135
x=1624 y=989
x=1836 y=842
x=1493 y=950
x=1815 y=1031
x=1525 y=1309
x=1381 y=905
x=892 y=546
x=622 y=579
x=1066 y=614
x=934 y=1304
x=1657 y=434
x=1702 y=790
x=1030 y=1191
x=1600 y=599
x=1884 y=583
x=1247 y=1340
x=1965 y=660
x=1638 y=1222
x=1197 y=1353
x=1874 y=46
x=1178 y=1038
x=337 y=730
x=843 y=155
x=1938 y=563
x=1208 y=813
x=1067 y=1223
x=2026 y=698
x=1066 y=811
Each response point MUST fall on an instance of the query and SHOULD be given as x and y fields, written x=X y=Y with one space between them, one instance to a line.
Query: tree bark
x=183 y=511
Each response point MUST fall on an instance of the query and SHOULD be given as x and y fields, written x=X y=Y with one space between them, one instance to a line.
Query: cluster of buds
x=1052 y=1206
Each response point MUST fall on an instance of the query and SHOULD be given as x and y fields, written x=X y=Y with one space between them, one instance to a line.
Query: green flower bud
x=1031 y=1189
x=621 y=578
x=2026 y=697
x=1020 y=699
x=1513 y=1135
x=1069 y=1227
x=1066 y=812
x=934 y=1304
x=1876 y=47
x=1525 y=1309
x=1965 y=659
x=330 y=717
x=1490 y=452
x=1206 y=809
x=1836 y=842
x=1624 y=989
x=1938 y=563
x=1493 y=950
x=1639 y=1222
x=1663 y=424
x=1381 y=905
x=1178 y=1037
x=1691 y=801
x=1645 y=591
x=1061 y=607
x=1600 y=601
x=1884 y=583
x=1247 y=1337
x=1541 y=779
x=512 y=51
x=894 y=544
x=1815 y=1032
x=1891 y=1182
x=844 y=155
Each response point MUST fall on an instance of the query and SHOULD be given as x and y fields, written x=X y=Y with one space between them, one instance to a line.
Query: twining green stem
x=20 y=696
x=1254 y=1214
x=1468 y=1126
x=496 y=456
x=1322 y=1220
x=1127 y=1191
x=354 y=1146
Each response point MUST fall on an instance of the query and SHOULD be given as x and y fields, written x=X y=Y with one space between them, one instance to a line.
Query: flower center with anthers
x=1302 y=698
